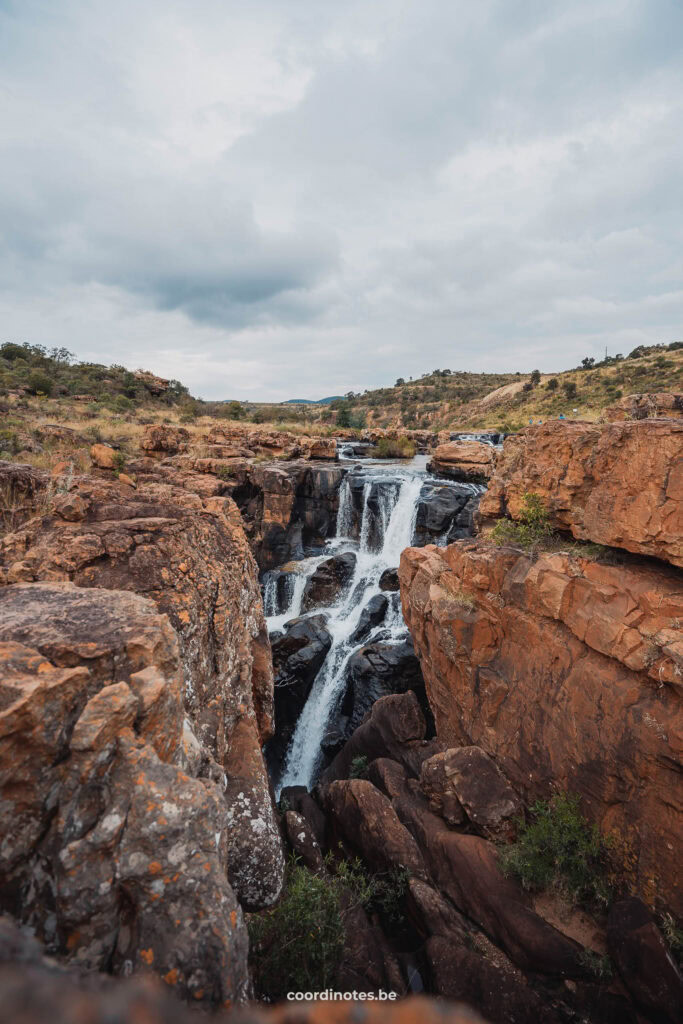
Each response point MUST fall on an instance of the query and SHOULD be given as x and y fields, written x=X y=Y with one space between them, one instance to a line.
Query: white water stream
x=396 y=498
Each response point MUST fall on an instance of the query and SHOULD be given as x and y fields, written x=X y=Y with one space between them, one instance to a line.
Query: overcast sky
x=295 y=198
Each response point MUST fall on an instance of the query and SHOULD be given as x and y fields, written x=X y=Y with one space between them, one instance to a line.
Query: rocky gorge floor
x=142 y=699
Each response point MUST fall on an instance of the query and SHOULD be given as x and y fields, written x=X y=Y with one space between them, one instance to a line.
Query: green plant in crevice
x=531 y=530
x=359 y=767
x=600 y=967
x=558 y=849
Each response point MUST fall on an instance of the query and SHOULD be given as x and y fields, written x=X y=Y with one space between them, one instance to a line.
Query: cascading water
x=395 y=523
x=382 y=510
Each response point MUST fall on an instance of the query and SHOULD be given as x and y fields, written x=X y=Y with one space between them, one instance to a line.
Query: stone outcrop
x=279 y=444
x=23 y=488
x=191 y=557
x=161 y=438
x=155 y=385
x=470 y=461
x=328 y=581
x=445 y=512
x=112 y=852
x=568 y=673
x=618 y=484
x=646 y=407
x=465 y=783
x=103 y=456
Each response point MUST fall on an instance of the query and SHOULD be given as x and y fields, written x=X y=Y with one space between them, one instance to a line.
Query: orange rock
x=471 y=461
x=644 y=406
x=125 y=479
x=567 y=672
x=619 y=484
x=103 y=456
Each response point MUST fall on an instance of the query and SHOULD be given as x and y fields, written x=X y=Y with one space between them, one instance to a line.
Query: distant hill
x=311 y=401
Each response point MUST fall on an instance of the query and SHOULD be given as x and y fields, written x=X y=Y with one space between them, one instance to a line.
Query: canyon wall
x=139 y=696
x=567 y=669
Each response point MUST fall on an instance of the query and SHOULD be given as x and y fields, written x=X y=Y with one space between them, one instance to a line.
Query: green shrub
x=359 y=767
x=226 y=472
x=39 y=383
x=298 y=945
x=119 y=460
x=400 y=448
x=599 y=966
x=559 y=849
x=532 y=529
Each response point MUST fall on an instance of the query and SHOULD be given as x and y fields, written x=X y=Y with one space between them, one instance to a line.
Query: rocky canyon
x=271 y=702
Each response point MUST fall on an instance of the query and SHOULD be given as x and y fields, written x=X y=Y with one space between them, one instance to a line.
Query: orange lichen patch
x=162 y=820
x=233 y=918
x=45 y=666
x=147 y=955
x=176 y=876
x=199 y=994
x=140 y=781
x=184 y=616
x=73 y=940
x=154 y=867
x=207 y=866
x=171 y=977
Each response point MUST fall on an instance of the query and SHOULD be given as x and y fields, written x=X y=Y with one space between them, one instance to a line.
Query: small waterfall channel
x=376 y=520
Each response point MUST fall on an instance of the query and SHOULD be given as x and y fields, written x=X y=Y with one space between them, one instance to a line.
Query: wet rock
x=298 y=654
x=389 y=580
x=372 y=615
x=329 y=580
x=379 y=669
x=465 y=781
x=107 y=842
x=444 y=513
x=644 y=962
x=368 y=824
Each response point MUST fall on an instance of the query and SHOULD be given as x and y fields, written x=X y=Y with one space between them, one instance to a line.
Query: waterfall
x=397 y=499
x=275 y=620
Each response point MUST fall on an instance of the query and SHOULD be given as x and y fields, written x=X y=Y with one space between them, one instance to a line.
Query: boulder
x=644 y=962
x=103 y=456
x=394 y=727
x=619 y=484
x=466 y=782
x=371 y=616
x=107 y=842
x=595 y=649
x=329 y=580
x=162 y=438
x=469 y=461
x=388 y=581
x=366 y=821
x=302 y=840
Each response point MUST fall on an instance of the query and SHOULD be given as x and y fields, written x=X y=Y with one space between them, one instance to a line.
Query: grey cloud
x=344 y=192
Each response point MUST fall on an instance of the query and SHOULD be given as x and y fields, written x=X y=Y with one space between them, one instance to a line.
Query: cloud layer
x=270 y=200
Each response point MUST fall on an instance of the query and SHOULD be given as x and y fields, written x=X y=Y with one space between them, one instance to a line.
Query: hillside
x=461 y=400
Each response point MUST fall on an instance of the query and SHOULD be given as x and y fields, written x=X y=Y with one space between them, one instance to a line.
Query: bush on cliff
x=558 y=849
x=532 y=529
x=297 y=946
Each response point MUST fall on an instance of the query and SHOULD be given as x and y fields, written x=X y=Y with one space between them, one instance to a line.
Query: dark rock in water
x=371 y=616
x=445 y=513
x=388 y=581
x=645 y=964
x=298 y=654
x=333 y=741
x=377 y=670
x=329 y=580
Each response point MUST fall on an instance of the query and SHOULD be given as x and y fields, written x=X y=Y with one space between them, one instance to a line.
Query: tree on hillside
x=399 y=382
x=535 y=377
x=588 y=362
x=569 y=388
x=553 y=384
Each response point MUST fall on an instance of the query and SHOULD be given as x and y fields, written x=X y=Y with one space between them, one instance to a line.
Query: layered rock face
x=568 y=672
x=190 y=557
x=112 y=852
x=470 y=461
x=619 y=484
